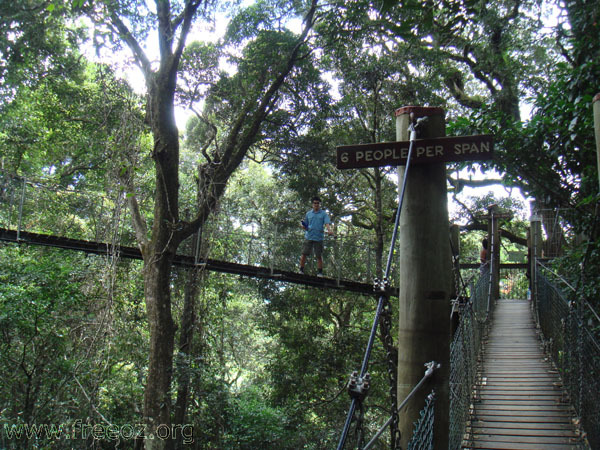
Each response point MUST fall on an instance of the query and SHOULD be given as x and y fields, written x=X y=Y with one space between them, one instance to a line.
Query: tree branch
x=460 y=183
x=238 y=142
x=479 y=226
x=141 y=59
x=187 y=16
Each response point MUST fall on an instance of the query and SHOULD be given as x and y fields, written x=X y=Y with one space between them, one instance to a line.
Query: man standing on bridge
x=314 y=222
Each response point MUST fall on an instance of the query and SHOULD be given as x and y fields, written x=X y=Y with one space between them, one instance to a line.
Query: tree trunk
x=188 y=323
x=157 y=400
x=158 y=262
x=167 y=229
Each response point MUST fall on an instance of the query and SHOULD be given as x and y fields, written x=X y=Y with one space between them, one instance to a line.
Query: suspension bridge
x=523 y=372
x=95 y=224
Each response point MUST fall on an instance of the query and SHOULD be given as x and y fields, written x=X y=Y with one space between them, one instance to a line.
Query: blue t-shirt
x=316 y=222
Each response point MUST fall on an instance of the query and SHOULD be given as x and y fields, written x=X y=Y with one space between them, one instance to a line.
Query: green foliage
x=552 y=155
x=580 y=267
x=35 y=44
x=70 y=129
x=262 y=15
x=41 y=306
x=269 y=362
x=62 y=353
x=320 y=340
x=200 y=70
x=255 y=424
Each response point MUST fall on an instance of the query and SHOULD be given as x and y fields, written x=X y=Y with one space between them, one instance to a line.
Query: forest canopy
x=269 y=89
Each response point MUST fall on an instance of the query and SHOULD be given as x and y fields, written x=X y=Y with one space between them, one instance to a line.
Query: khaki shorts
x=309 y=246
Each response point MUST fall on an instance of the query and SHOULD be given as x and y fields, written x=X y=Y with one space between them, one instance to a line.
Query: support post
x=535 y=233
x=596 y=109
x=455 y=249
x=425 y=280
x=494 y=248
x=21 y=203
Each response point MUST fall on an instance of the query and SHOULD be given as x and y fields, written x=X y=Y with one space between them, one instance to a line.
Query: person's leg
x=306 y=250
x=318 y=246
x=302 y=262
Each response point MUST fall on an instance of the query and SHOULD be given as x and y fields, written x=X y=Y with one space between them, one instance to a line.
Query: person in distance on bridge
x=483 y=255
x=314 y=223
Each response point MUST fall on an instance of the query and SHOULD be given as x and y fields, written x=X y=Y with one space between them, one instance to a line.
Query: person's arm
x=304 y=222
x=329 y=230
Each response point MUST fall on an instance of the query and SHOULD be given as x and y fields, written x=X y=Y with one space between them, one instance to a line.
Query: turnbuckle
x=358 y=387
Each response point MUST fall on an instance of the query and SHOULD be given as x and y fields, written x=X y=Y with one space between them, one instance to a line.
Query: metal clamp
x=358 y=387
x=414 y=125
x=381 y=286
x=430 y=367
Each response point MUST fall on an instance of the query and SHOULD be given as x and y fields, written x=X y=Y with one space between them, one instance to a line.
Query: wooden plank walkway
x=519 y=402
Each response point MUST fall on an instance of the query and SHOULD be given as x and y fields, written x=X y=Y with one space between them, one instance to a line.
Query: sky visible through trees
x=256 y=363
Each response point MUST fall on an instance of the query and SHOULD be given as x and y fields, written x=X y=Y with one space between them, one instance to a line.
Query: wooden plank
x=522 y=411
x=517 y=387
x=493 y=445
x=513 y=396
x=539 y=439
x=565 y=432
x=531 y=376
x=515 y=419
x=516 y=408
x=568 y=426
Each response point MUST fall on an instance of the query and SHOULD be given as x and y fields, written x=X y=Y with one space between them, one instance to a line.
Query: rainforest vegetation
x=204 y=128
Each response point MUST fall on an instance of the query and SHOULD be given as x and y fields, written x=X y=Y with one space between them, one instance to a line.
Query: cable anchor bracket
x=382 y=287
x=358 y=387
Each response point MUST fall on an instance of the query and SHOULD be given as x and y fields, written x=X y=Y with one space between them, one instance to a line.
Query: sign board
x=442 y=149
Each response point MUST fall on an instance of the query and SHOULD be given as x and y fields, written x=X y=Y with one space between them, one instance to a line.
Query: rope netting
x=568 y=335
x=465 y=349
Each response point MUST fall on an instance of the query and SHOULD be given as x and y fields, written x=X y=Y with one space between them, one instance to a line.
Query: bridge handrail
x=466 y=345
x=573 y=289
x=574 y=350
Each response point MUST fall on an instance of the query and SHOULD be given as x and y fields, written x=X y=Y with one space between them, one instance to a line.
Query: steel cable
x=383 y=296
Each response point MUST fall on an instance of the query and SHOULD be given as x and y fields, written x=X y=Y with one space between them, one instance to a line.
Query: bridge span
x=101 y=248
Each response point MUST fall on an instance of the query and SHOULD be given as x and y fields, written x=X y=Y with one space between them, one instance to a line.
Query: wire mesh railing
x=574 y=349
x=39 y=207
x=514 y=283
x=422 y=438
x=422 y=433
x=465 y=349
x=557 y=229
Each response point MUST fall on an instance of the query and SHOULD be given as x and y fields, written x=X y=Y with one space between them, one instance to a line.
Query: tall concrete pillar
x=425 y=280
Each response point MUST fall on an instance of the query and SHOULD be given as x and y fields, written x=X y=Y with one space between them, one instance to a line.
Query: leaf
x=573 y=123
x=388 y=5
